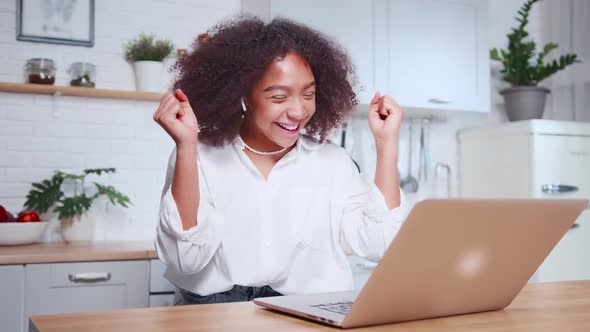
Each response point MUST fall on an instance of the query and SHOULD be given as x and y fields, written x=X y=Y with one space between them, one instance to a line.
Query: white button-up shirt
x=292 y=232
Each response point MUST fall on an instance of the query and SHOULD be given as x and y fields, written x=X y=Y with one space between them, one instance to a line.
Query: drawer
x=561 y=166
x=49 y=288
x=159 y=284
x=84 y=274
x=161 y=300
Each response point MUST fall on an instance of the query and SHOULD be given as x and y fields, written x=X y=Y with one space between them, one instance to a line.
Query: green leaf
x=548 y=69
x=44 y=195
x=99 y=171
x=69 y=176
x=73 y=206
x=114 y=196
x=494 y=55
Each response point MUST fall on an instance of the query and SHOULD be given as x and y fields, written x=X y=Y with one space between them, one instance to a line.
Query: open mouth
x=290 y=128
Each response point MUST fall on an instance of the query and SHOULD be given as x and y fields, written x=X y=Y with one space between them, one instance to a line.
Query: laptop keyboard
x=337 y=307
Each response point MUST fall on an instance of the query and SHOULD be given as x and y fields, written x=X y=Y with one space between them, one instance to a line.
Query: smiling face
x=280 y=104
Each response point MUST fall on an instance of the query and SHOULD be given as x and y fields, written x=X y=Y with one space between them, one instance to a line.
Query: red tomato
x=3 y=214
x=30 y=216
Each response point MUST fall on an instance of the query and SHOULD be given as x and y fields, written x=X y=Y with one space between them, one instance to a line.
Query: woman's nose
x=297 y=111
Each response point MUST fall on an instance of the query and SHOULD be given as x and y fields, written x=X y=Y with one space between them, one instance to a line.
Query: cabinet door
x=561 y=167
x=570 y=260
x=161 y=300
x=351 y=23
x=438 y=54
x=76 y=287
x=12 y=280
x=159 y=284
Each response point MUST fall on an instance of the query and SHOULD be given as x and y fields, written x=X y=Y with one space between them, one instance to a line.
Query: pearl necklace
x=261 y=152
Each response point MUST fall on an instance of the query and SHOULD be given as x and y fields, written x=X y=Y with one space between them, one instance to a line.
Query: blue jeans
x=236 y=294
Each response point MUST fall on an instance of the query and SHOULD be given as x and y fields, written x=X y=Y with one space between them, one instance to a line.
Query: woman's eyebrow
x=287 y=88
x=277 y=87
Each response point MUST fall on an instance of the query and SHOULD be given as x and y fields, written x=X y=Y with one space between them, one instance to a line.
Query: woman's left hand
x=385 y=118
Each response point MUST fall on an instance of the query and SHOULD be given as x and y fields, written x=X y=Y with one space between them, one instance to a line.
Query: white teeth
x=288 y=127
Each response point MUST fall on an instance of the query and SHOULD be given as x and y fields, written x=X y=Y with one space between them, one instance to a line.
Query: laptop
x=451 y=257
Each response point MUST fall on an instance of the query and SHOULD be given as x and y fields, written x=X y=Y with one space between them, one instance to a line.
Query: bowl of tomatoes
x=24 y=228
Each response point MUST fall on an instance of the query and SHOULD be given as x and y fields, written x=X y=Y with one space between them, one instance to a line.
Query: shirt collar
x=304 y=141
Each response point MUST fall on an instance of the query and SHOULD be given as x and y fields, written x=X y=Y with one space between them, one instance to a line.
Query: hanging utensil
x=409 y=184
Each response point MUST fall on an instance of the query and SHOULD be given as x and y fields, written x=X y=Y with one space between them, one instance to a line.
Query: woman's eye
x=279 y=97
x=309 y=95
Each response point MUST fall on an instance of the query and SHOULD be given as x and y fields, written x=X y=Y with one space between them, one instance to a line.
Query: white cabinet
x=438 y=54
x=351 y=23
x=534 y=159
x=11 y=297
x=92 y=286
x=161 y=290
x=427 y=54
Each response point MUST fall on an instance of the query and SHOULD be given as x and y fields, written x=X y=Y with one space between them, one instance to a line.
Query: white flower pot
x=148 y=76
x=78 y=228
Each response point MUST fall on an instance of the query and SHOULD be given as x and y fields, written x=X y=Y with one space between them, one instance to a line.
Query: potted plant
x=524 y=99
x=72 y=204
x=146 y=53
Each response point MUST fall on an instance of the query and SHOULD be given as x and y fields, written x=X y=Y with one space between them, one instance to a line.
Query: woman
x=252 y=207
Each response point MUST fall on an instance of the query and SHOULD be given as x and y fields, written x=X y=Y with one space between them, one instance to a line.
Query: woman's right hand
x=177 y=118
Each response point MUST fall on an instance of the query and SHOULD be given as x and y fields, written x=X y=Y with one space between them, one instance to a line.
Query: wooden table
x=563 y=306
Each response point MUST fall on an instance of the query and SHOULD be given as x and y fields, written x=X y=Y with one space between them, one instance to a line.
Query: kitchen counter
x=78 y=252
x=563 y=306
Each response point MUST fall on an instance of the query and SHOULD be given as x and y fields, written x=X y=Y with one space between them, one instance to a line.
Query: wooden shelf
x=78 y=91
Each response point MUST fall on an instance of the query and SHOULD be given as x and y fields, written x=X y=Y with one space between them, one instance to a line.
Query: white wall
x=39 y=134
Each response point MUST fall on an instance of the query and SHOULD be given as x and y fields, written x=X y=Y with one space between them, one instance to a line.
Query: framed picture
x=68 y=22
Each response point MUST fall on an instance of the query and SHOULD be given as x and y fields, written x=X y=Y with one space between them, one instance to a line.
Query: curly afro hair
x=226 y=62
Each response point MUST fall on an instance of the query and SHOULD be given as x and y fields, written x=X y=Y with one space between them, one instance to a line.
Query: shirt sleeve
x=186 y=251
x=368 y=226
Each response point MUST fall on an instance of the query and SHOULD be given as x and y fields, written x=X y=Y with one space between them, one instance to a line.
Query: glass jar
x=82 y=74
x=41 y=71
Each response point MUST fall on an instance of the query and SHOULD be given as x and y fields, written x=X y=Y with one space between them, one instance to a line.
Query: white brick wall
x=39 y=134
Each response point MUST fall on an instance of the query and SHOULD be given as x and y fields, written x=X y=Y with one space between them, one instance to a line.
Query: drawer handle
x=440 y=101
x=558 y=189
x=90 y=277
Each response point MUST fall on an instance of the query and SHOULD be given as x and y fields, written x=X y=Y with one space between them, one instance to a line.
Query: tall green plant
x=49 y=192
x=519 y=68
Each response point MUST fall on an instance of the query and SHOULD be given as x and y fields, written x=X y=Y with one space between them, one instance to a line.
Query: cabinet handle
x=558 y=189
x=90 y=277
x=440 y=101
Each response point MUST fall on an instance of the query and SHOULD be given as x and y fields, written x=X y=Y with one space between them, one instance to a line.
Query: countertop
x=77 y=252
x=560 y=306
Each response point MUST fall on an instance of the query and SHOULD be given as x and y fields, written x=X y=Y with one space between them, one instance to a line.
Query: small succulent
x=147 y=48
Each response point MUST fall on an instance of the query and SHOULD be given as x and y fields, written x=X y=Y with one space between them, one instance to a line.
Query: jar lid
x=82 y=64
x=46 y=60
